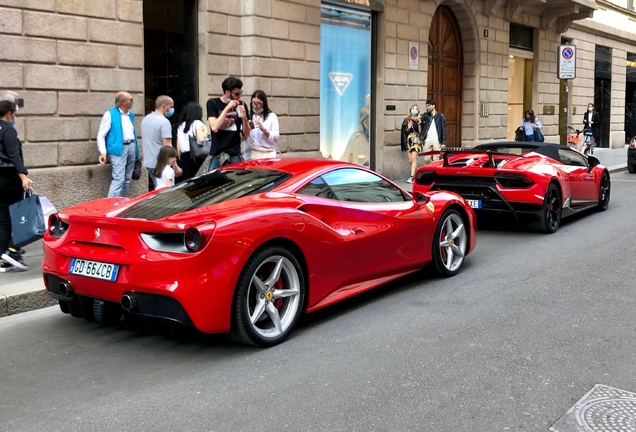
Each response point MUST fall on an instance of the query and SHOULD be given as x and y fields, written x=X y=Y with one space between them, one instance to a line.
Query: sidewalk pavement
x=22 y=291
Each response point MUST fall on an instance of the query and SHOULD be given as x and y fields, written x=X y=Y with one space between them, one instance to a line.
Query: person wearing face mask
x=13 y=183
x=433 y=130
x=227 y=116
x=156 y=131
x=410 y=138
x=530 y=124
x=591 y=122
x=117 y=138
x=265 y=131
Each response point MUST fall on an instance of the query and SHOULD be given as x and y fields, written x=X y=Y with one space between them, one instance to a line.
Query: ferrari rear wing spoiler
x=467 y=151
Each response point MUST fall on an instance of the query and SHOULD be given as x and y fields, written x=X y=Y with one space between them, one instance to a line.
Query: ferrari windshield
x=215 y=187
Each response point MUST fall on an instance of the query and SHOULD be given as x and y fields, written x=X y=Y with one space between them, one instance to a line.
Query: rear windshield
x=215 y=187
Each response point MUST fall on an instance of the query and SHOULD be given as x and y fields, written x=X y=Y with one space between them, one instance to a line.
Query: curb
x=25 y=301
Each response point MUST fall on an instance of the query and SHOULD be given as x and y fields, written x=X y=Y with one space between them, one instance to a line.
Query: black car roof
x=547 y=149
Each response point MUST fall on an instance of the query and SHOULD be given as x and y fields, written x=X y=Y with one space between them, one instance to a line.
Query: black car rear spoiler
x=467 y=151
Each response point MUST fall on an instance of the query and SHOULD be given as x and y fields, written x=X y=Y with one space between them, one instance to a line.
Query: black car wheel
x=269 y=298
x=550 y=217
x=604 y=193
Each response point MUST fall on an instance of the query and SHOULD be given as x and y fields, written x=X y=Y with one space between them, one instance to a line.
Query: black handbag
x=198 y=151
x=136 y=175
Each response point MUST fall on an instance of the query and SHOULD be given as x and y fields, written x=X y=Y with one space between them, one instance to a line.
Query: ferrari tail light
x=191 y=240
x=513 y=181
x=194 y=240
x=57 y=228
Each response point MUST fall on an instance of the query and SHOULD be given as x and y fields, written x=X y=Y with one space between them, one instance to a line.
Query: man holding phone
x=227 y=116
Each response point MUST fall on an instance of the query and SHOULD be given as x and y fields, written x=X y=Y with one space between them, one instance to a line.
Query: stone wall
x=274 y=46
x=67 y=59
x=586 y=35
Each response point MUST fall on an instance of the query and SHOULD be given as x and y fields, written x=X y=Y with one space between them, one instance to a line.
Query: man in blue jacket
x=118 y=139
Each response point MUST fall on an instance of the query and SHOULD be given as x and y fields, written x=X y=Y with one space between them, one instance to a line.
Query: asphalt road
x=511 y=343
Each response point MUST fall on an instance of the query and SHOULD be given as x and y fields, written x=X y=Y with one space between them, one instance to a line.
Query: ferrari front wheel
x=550 y=217
x=449 y=244
x=269 y=298
x=604 y=193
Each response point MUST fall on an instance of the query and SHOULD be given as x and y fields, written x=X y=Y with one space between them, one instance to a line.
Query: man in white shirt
x=433 y=130
x=117 y=138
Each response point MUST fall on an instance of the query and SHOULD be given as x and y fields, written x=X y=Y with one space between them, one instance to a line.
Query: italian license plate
x=94 y=269
x=474 y=203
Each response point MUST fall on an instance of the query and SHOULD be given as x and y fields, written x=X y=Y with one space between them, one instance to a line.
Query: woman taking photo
x=13 y=183
x=190 y=126
x=264 y=134
x=411 y=143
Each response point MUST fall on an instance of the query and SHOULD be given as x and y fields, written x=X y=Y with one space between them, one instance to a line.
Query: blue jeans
x=530 y=138
x=122 y=171
x=215 y=162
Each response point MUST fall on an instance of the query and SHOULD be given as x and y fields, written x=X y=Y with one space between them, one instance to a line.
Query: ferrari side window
x=317 y=188
x=356 y=185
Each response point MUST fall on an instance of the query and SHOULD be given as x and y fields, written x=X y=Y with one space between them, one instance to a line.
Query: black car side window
x=572 y=158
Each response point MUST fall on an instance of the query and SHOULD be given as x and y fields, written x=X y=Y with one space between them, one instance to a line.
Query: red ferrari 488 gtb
x=534 y=182
x=247 y=248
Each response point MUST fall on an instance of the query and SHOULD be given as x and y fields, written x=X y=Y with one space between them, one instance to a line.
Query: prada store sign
x=375 y=5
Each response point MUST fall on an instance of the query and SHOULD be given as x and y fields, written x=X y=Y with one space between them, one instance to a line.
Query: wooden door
x=445 y=60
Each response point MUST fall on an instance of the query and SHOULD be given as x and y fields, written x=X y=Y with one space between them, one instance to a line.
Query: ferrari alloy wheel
x=269 y=298
x=604 y=193
x=550 y=217
x=449 y=244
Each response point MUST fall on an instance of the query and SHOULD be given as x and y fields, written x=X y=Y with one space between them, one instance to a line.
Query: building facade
x=340 y=74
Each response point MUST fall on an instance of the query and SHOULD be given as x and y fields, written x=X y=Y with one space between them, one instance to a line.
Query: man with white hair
x=118 y=139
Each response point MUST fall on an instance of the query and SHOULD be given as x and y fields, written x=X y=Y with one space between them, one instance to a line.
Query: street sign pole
x=566 y=70
x=566 y=100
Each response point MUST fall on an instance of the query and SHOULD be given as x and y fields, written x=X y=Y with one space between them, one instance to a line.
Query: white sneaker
x=410 y=180
x=6 y=267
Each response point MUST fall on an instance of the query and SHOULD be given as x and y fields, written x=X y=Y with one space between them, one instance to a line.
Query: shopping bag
x=27 y=220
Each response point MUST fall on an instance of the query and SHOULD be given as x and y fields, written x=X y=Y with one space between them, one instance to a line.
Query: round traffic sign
x=413 y=53
x=567 y=53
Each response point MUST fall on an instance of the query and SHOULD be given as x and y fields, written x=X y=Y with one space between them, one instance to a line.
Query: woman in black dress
x=13 y=183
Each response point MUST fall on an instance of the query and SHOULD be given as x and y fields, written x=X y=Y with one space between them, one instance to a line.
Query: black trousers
x=11 y=193
x=189 y=167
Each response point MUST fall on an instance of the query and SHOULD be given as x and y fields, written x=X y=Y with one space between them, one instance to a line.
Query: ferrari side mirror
x=421 y=198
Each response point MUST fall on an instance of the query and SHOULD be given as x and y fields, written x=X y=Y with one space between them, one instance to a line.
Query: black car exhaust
x=66 y=290
x=129 y=303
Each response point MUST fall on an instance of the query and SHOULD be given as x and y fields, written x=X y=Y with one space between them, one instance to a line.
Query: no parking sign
x=566 y=62
x=414 y=54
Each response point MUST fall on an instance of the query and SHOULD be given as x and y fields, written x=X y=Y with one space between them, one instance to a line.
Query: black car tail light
x=426 y=177
x=194 y=240
x=57 y=228
x=513 y=181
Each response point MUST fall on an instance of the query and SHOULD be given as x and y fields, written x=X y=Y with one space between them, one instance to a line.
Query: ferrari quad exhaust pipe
x=66 y=290
x=129 y=303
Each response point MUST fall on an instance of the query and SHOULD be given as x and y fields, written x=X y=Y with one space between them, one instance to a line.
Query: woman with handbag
x=13 y=183
x=265 y=130
x=191 y=131
x=532 y=127
x=591 y=122
x=410 y=138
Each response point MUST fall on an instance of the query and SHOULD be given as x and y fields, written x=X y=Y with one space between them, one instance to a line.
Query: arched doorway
x=445 y=75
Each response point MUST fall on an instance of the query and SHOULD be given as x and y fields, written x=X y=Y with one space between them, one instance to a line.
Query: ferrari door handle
x=358 y=231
